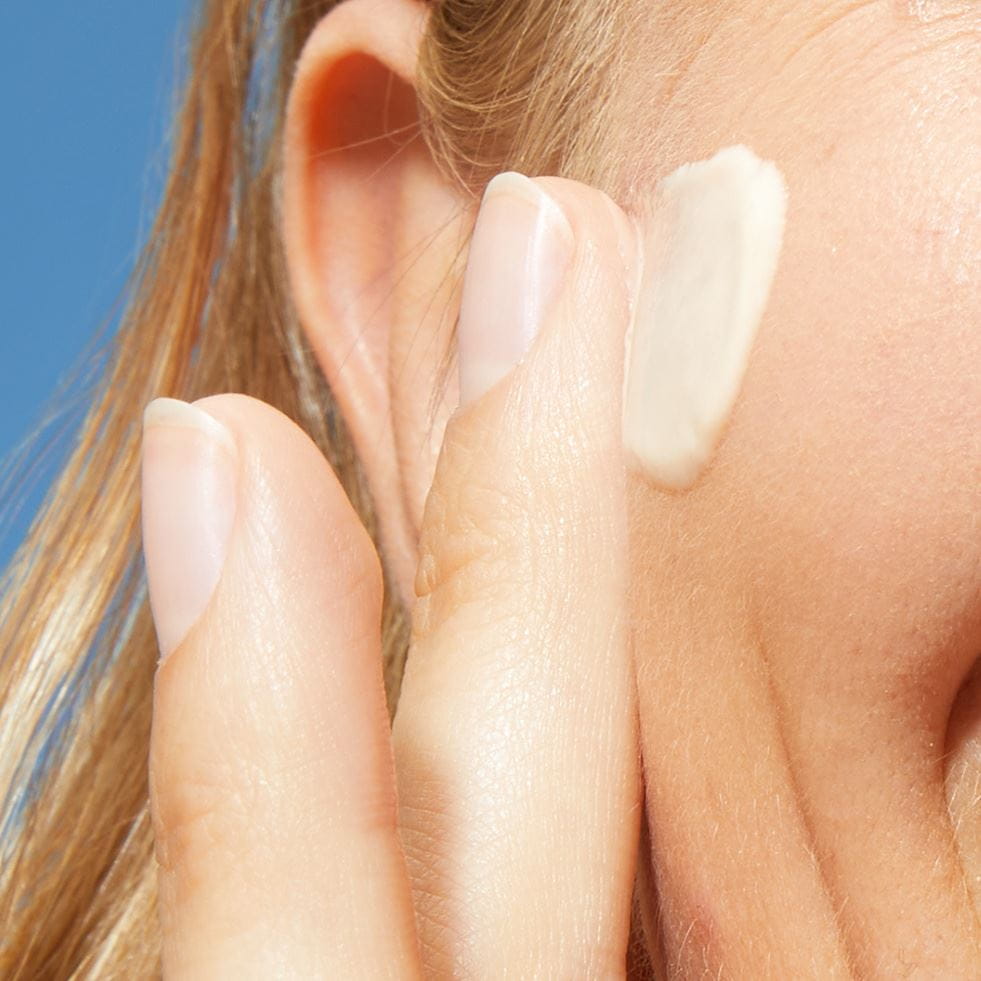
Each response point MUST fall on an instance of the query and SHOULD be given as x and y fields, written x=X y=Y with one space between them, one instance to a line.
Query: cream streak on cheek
x=710 y=245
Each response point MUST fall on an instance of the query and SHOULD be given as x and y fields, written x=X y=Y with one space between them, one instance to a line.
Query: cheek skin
x=806 y=614
x=847 y=491
x=855 y=458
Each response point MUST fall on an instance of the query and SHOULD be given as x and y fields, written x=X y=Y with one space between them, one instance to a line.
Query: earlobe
x=371 y=231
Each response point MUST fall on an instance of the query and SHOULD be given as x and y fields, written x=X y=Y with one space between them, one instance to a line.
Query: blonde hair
x=504 y=84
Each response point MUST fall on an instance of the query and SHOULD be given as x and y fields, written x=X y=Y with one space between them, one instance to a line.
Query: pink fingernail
x=522 y=245
x=190 y=478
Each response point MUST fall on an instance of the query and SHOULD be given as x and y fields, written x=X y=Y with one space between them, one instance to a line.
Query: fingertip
x=596 y=219
x=280 y=458
x=271 y=772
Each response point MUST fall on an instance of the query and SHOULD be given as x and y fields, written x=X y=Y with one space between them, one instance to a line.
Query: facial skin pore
x=806 y=614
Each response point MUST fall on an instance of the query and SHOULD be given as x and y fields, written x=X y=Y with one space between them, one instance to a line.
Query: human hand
x=281 y=850
x=514 y=750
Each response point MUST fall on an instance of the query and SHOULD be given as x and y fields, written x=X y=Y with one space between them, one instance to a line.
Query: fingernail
x=522 y=246
x=711 y=244
x=190 y=477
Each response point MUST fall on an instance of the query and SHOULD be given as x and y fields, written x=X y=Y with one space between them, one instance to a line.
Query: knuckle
x=507 y=517
x=477 y=529
x=199 y=820
x=469 y=541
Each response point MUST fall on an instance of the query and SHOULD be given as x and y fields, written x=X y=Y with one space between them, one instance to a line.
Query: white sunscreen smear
x=710 y=247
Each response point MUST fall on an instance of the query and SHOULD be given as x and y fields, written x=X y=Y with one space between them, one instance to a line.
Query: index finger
x=515 y=733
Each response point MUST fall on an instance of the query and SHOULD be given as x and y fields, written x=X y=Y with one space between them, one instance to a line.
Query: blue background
x=86 y=93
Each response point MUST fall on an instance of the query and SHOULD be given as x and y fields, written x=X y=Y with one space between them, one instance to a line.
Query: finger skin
x=271 y=769
x=515 y=734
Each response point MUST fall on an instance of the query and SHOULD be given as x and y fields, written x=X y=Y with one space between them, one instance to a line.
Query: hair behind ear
x=524 y=85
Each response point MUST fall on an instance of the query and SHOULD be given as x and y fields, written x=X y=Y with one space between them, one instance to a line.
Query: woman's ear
x=372 y=233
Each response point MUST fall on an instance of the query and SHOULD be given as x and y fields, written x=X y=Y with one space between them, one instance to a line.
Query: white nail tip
x=518 y=186
x=711 y=243
x=174 y=412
